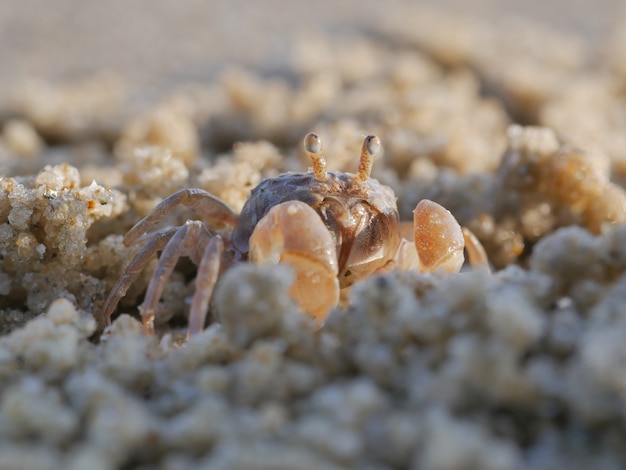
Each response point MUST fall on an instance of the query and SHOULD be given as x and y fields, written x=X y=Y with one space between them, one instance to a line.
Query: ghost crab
x=332 y=228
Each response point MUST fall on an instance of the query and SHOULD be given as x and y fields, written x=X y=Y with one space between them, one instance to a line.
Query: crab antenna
x=313 y=146
x=371 y=147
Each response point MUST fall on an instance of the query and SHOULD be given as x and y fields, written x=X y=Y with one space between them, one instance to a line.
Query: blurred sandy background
x=158 y=44
x=524 y=369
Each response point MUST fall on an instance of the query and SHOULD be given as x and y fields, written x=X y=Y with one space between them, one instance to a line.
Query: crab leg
x=212 y=210
x=292 y=232
x=180 y=244
x=208 y=271
x=153 y=244
x=475 y=250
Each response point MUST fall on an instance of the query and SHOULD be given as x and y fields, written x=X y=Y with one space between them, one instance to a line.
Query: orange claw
x=293 y=233
x=439 y=239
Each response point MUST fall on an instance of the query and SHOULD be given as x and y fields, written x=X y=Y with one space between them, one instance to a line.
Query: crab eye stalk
x=371 y=147
x=313 y=147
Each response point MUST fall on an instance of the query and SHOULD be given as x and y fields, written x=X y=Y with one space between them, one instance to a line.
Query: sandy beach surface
x=511 y=115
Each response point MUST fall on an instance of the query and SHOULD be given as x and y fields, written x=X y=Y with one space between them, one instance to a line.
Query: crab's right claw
x=293 y=233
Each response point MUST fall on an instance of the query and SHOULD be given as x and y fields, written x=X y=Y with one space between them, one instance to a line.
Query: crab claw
x=438 y=238
x=292 y=232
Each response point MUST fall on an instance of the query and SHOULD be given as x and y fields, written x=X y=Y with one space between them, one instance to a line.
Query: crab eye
x=313 y=146
x=313 y=143
x=369 y=150
x=372 y=143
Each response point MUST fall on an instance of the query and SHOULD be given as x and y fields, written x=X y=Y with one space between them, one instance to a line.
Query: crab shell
x=361 y=217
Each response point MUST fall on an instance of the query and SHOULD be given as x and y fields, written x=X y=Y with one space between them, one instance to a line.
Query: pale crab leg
x=180 y=244
x=212 y=210
x=206 y=277
x=292 y=232
x=153 y=244
x=475 y=250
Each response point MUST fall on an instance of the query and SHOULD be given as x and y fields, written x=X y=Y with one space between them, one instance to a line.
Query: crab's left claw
x=439 y=240
x=293 y=233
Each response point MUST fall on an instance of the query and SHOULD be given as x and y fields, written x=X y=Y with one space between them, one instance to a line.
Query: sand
x=512 y=119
